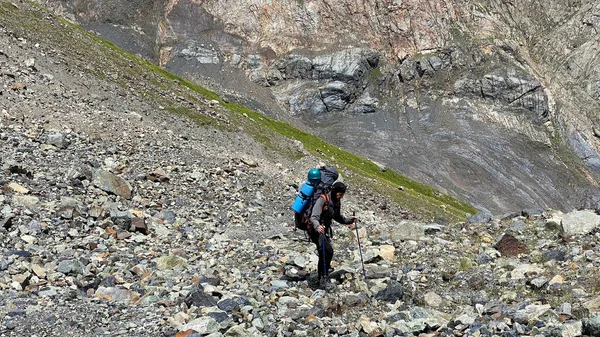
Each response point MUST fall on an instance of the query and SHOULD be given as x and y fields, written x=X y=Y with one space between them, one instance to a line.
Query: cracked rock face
x=445 y=93
x=202 y=242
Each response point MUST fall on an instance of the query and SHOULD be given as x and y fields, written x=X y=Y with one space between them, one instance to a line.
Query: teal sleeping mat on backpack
x=303 y=198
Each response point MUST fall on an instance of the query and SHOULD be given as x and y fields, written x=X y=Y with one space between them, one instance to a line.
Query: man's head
x=338 y=190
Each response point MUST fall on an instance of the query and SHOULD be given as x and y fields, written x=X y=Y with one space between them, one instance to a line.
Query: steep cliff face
x=494 y=102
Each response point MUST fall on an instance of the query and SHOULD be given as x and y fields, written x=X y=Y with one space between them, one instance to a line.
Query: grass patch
x=376 y=72
x=465 y=264
x=198 y=118
x=7 y=6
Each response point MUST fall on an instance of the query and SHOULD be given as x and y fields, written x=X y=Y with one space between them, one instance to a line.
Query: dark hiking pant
x=317 y=238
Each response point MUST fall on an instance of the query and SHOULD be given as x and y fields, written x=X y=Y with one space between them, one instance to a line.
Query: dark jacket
x=319 y=216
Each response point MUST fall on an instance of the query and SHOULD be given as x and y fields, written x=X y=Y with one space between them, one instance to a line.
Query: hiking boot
x=314 y=282
x=326 y=285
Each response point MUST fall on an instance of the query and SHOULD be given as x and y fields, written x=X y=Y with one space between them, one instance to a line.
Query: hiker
x=327 y=208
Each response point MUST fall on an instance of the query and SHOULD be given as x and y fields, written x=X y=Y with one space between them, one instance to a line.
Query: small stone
x=66 y=212
x=556 y=255
x=16 y=312
x=170 y=262
x=72 y=267
x=21 y=279
x=185 y=333
x=238 y=331
x=58 y=139
x=199 y=298
x=111 y=183
x=26 y=201
x=539 y=282
x=227 y=304
x=387 y=252
x=219 y=316
x=279 y=285
x=47 y=293
x=121 y=219
x=391 y=293
x=158 y=175
x=432 y=299
x=249 y=162
x=114 y=294
x=467 y=316
x=123 y=235
x=564 y=308
x=203 y=325
x=366 y=324
x=299 y=261
x=6 y=223
x=525 y=270
x=96 y=211
x=29 y=239
x=591 y=325
x=18 y=188
x=571 y=329
x=139 y=225
x=167 y=216
x=30 y=63
x=38 y=270
x=556 y=280
x=406 y=230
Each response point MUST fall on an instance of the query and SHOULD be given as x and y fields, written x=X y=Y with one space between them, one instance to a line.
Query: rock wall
x=469 y=97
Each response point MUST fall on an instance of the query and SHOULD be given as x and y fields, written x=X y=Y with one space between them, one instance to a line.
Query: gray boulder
x=580 y=222
x=591 y=325
x=111 y=183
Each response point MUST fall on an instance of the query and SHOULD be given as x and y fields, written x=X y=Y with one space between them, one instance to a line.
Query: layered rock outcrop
x=501 y=94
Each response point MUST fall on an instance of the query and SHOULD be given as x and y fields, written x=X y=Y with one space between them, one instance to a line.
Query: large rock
x=533 y=312
x=571 y=329
x=111 y=183
x=238 y=331
x=114 y=294
x=199 y=299
x=419 y=319
x=525 y=270
x=591 y=325
x=480 y=217
x=387 y=252
x=18 y=188
x=170 y=262
x=408 y=230
x=57 y=139
x=580 y=222
x=26 y=201
x=72 y=267
x=510 y=246
x=203 y=325
x=392 y=293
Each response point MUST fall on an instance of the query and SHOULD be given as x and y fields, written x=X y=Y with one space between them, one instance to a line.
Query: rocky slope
x=468 y=97
x=119 y=218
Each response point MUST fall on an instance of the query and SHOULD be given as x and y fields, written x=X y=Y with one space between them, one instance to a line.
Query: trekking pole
x=324 y=261
x=359 y=248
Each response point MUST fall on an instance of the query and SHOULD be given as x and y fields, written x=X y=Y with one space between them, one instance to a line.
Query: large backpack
x=328 y=176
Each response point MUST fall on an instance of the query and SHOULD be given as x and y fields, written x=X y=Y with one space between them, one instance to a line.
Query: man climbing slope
x=327 y=208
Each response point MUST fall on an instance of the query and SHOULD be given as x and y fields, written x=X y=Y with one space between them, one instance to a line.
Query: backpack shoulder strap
x=326 y=198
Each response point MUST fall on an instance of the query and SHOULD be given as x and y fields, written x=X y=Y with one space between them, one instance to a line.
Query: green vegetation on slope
x=105 y=60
